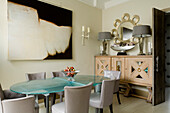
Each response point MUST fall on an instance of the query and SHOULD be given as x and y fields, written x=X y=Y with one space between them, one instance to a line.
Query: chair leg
x=61 y=98
x=118 y=98
x=54 y=97
x=101 y=110
x=111 y=108
x=97 y=110
x=44 y=101
x=36 y=107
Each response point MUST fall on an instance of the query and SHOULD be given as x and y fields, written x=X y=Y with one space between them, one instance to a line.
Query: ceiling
x=103 y=4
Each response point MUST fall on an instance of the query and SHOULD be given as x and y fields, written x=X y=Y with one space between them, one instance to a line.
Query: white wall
x=83 y=56
x=143 y=8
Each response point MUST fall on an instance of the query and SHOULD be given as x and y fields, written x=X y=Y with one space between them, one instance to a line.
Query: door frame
x=166 y=10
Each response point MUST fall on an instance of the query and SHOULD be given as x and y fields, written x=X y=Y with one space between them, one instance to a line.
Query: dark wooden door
x=159 y=56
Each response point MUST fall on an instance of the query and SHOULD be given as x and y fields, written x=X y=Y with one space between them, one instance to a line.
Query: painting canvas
x=38 y=31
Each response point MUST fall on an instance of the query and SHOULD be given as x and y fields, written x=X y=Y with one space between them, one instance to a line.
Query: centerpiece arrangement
x=122 y=47
x=70 y=72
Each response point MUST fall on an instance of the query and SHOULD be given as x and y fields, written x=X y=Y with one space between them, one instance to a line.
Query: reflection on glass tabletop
x=56 y=84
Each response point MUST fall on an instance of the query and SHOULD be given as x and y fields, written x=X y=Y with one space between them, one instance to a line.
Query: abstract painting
x=38 y=31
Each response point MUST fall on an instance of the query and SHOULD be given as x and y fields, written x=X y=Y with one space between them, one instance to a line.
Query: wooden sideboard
x=135 y=70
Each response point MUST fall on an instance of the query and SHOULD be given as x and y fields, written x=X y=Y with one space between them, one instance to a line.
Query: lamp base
x=103 y=53
x=141 y=54
x=104 y=48
x=122 y=53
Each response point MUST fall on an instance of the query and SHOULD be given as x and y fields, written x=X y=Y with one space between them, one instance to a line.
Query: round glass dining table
x=53 y=85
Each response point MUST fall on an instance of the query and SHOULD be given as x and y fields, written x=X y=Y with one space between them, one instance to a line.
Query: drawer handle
x=139 y=70
x=102 y=67
x=157 y=63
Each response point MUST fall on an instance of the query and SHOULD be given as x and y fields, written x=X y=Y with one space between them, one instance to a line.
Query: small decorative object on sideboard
x=70 y=72
x=122 y=47
x=149 y=48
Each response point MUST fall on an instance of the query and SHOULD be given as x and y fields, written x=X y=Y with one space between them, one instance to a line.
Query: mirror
x=122 y=33
x=123 y=29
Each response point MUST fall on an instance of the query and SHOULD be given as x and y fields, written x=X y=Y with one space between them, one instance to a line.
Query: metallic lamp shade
x=141 y=31
x=104 y=36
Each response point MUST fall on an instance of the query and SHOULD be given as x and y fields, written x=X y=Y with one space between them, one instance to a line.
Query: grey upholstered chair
x=105 y=98
x=11 y=102
x=37 y=76
x=76 y=100
x=114 y=75
x=19 y=105
x=57 y=74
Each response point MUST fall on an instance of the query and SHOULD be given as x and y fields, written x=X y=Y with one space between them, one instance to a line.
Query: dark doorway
x=167 y=49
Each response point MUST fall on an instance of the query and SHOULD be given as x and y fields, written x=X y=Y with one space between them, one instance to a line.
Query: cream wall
x=83 y=56
x=143 y=8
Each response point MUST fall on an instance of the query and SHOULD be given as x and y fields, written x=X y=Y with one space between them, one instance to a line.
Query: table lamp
x=104 y=36
x=141 y=32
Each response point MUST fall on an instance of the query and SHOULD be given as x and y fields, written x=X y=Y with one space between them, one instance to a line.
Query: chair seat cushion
x=58 y=108
x=95 y=100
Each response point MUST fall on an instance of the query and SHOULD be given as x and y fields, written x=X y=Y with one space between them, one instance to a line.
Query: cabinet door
x=139 y=71
x=102 y=63
x=118 y=64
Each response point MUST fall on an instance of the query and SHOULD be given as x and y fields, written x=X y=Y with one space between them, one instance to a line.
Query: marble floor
x=133 y=105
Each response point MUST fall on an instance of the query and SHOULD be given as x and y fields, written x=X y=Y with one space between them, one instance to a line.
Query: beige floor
x=133 y=105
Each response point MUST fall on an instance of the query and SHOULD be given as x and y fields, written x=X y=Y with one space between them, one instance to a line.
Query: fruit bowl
x=70 y=72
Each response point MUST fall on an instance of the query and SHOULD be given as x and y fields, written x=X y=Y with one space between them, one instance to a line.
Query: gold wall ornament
x=122 y=34
x=124 y=23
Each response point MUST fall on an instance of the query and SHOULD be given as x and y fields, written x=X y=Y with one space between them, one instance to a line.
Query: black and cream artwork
x=38 y=31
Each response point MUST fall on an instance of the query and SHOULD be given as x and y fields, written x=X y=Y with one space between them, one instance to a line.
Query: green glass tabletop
x=85 y=79
x=52 y=85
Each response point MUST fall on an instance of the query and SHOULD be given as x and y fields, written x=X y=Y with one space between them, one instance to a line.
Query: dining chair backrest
x=1 y=98
x=58 y=74
x=77 y=98
x=112 y=74
x=36 y=76
x=19 y=105
x=106 y=97
x=7 y=95
x=1 y=93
